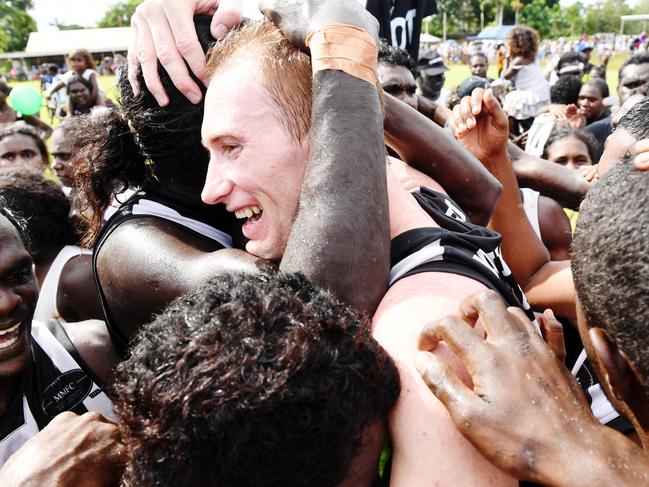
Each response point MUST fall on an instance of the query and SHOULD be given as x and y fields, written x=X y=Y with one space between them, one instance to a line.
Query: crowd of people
x=288 y=256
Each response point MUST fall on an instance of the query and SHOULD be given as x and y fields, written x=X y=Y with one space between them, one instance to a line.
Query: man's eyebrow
x=22 y=262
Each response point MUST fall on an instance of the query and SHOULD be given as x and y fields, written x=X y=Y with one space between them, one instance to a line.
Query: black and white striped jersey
x=456 y=246
x=56 y=380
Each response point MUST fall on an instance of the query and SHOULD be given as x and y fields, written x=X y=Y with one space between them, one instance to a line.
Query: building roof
x=62 y=42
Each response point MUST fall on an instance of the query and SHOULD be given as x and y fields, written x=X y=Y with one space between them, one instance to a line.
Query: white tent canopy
x=62 y=42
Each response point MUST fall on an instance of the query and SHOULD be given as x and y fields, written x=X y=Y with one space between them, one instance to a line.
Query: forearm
x=521 y=247
x=552 y=287
x=553 y=180
x=340 y=238
x=428 y=148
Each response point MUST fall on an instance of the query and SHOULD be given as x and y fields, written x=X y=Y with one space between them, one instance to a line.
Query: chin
x=267 y=252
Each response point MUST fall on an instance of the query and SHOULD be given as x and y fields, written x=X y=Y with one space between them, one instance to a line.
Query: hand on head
x=481 y=125
x=164 y=30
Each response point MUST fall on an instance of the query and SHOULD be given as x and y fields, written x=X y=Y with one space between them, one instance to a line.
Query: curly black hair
x=636 y=120
x=399 y=57
x=78 y=79
x=609 y=260
x=253 y=380
x=18 y=222
x=141 y=140
x=523 y=41
x=44 y=206
x=562 y=131
x=566 y=90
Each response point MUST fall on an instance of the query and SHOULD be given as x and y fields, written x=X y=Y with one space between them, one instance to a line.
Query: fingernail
x=220 y=31
x=461 y=127
x=549 y=313
x=475 y=109
x=194 y=97
x=470 y=123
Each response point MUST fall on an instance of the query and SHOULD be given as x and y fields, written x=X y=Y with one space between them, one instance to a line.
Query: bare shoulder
x=556 y=232
x=91 y=339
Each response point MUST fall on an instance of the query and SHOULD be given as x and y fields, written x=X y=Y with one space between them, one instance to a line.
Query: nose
x=217 y=185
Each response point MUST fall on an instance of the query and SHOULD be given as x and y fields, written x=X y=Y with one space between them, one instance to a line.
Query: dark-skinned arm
x=431 y=150
x=481 y=126
x=340 y=238
x=564 y=185
x=77 y=298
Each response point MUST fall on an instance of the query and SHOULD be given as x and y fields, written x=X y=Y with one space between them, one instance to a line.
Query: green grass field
x=455 y=75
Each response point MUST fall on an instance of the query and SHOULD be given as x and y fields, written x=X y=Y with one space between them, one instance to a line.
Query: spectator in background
x=532 y=91
x=81 y=65
x=20 y=145
x=570 y=147
x=80 y=99
x=479 y=64
x=9 y=116
x=591 y=100
x=431 y=77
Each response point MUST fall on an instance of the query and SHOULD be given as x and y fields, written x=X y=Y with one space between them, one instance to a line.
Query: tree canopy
x=119 y=14
x=15 y=25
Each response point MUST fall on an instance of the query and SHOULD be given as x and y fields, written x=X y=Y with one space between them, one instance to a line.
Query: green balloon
x=25 y=99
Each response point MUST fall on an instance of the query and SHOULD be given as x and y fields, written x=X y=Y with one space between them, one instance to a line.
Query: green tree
x=19 y=4
x=119 y=14
x=17 y=25
x=538 y=15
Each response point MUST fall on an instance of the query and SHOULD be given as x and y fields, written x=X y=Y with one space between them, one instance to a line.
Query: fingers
x=228 y=15
x=167 y=43
x=443 y=383
x=492 y=310
x=552 y=332
x=461 y=338
x=145 y=55
x=495 y=110
x=641 y=160
x=131 y=56
x=464 y=118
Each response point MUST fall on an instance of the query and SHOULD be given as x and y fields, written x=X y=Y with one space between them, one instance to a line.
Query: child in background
x=81 y=64
x=532 y=90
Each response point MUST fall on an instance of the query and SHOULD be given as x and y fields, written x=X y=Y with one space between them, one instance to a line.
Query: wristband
x=345 y=48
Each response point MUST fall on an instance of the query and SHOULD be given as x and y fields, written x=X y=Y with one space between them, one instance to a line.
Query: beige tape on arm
x=345 y=48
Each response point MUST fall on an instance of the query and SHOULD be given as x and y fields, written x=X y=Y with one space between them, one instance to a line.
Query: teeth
x=9 y=343
x=9 y=330
x=247 y=212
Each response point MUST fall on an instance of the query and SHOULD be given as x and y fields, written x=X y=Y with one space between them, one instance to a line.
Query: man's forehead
x=234 y=94
x=633 y=72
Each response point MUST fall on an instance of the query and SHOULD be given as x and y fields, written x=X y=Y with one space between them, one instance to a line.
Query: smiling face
x=255 y=168
x=20 y=149
x=18 y=296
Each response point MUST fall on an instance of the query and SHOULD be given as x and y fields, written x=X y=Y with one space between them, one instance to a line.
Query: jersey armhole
x=56 y=329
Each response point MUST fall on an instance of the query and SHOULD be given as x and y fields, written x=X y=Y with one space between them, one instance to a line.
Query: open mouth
x=249 y=213
x=10 y=336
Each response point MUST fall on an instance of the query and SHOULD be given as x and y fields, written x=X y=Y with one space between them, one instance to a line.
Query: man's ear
x=620 y=374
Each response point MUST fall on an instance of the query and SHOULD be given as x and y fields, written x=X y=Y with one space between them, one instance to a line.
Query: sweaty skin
x=525 y=412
